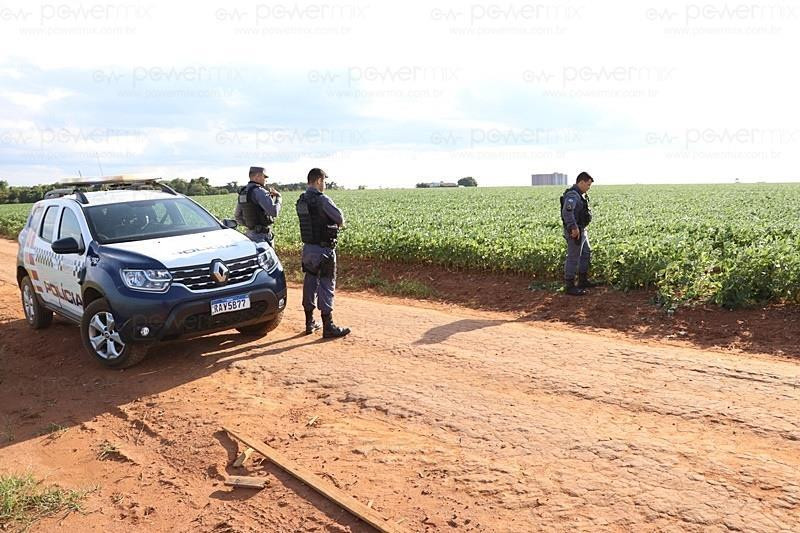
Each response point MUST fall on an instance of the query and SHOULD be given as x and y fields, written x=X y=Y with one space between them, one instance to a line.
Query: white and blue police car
x=134 y=263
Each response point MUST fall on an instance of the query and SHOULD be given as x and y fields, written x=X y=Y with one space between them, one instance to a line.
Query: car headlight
x=147 y=280
x=268 y=260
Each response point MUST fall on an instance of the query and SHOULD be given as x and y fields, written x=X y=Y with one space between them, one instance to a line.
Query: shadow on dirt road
x=71 y=388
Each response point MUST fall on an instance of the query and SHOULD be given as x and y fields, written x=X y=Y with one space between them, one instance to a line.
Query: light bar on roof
x=105 y=180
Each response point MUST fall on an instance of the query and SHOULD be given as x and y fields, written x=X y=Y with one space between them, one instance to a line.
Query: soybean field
x=731 y=245
x=12 y=218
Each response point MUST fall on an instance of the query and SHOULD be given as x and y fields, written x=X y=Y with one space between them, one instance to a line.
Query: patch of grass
x=54 y=430
x=374 y=281
x=410 y=288
x=546 y=286
x=108 y=451
x=23 y=500
x=7 y=432
x=404 y=287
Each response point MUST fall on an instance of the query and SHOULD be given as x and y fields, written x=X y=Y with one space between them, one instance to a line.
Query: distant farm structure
x=435 y=184
x=556 y=178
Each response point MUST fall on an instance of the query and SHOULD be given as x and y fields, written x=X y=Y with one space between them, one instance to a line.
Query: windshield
x=148 y=219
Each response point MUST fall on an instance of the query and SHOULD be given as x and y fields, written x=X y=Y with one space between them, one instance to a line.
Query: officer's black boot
x=331 y=330
x=583 y=281
x=311 y=324
x=571 y=289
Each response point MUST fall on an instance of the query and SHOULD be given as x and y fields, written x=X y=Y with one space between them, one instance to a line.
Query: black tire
x=98 y=323
x=36 y=314
x=262 y=328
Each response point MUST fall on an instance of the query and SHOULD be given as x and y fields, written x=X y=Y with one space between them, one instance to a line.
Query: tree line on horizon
x=12 y=194
x=469 y=181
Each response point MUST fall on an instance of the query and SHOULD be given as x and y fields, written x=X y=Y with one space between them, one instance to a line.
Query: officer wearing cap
x=576 y=215
x=257 y=208
x=320 y=222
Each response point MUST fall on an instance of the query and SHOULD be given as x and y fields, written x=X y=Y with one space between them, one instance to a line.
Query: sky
x=388 y=94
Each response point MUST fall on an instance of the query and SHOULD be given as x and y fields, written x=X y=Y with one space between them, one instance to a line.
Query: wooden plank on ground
x=318 y=484
x=246 y=482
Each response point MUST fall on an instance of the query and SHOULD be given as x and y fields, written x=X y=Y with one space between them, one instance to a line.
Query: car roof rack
x=167 y=189
x=58 y=193
x=112 y=182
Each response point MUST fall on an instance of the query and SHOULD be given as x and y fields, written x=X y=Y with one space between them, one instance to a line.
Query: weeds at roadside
x=24 y=500
x=7 y=433
x=109 y=452
x=404 y=287
x=546 y=286
x=373 y=281
x=54 y=431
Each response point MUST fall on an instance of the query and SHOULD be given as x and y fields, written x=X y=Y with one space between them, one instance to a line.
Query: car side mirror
x=67 y=245
x=230 y=223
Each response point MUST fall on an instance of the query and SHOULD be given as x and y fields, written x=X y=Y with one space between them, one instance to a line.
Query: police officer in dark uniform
x=576 y=215
x=320 y=222
x=257 y=208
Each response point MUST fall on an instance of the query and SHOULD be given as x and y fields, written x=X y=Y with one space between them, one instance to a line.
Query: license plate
x=230 y=304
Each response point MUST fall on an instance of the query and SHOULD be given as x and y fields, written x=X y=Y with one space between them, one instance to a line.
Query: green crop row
x=732 y=245
x=12 y=218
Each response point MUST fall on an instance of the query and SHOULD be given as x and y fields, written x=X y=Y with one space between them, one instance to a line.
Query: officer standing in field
x=257 y=208
x=320 y=222
x=576 y=215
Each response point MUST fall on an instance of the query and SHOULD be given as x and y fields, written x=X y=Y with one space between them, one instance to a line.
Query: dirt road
x=447 y=419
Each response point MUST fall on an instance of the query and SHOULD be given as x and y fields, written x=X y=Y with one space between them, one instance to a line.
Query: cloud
x=389 y=93
x=10 y=73
x=34 y=102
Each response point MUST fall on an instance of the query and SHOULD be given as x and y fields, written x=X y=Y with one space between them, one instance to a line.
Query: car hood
x=189 y=250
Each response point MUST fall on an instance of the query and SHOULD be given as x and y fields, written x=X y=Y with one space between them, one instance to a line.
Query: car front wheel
x=101 y=337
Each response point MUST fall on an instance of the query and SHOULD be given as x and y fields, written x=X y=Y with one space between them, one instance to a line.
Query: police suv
x=133 y=262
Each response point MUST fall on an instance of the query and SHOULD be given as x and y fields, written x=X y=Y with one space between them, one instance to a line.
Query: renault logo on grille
x=219 y=272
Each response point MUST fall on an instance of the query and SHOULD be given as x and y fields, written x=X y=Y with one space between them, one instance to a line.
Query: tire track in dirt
x=446 y=418
x=637 y=415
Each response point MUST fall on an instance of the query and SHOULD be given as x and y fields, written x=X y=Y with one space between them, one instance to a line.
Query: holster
x=326 y=269
x=327 y=266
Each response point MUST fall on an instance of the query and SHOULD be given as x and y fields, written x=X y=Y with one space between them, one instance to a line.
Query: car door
x=27 y=243
x=70 y=266
x=44 y=257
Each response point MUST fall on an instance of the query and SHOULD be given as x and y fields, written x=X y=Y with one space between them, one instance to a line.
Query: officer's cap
x=256 y=170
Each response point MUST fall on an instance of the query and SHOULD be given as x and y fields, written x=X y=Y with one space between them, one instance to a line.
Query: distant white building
x=556 y=178
x=434 y=184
